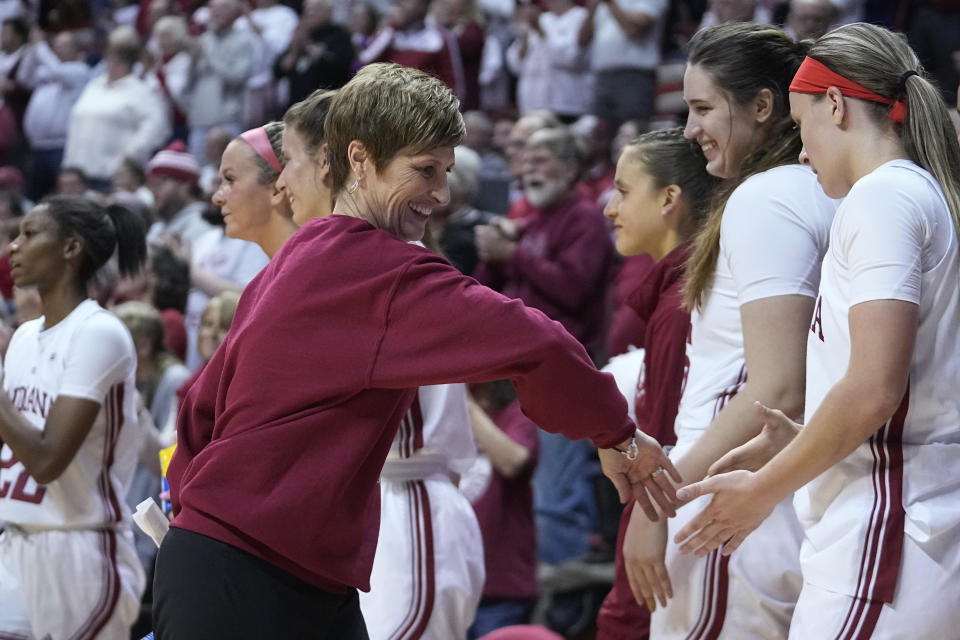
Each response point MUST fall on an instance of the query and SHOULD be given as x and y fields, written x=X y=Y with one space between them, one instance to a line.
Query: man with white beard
x=558 y=258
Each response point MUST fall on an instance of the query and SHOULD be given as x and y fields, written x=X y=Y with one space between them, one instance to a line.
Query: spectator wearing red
x=505 y=510
x=560 y=260
x=413 y=39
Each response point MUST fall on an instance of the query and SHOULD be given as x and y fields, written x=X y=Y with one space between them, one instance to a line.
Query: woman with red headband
x=752 y=279
x=872 y=466
x=252 y=205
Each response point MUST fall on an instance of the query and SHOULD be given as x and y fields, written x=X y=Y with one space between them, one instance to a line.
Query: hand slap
x=737 y=509
x=645 y=479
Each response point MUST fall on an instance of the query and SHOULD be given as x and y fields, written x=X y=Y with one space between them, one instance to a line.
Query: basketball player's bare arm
x=46 y=453
x=882 y=337
x=775 y=346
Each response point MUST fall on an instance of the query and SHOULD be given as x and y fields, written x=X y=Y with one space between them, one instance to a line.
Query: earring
x=352 y=188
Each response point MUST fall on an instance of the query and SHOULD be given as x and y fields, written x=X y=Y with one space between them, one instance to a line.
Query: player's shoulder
x=93 y=322
x=779 y=181
x=789 y=192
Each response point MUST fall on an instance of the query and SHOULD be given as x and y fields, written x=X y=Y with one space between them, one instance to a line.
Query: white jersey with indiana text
x=89 y=355
x=893 y=239
x=772 y=239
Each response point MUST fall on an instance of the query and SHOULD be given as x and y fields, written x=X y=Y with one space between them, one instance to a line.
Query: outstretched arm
x=882 y=334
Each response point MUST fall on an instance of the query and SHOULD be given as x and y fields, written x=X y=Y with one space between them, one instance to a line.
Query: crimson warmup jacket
x=282 y=438
x=658 y=300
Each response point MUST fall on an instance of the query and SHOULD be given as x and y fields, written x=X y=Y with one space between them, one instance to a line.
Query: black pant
x=206 y=589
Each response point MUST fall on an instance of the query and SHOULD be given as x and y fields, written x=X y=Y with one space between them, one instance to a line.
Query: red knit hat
x=176 y=162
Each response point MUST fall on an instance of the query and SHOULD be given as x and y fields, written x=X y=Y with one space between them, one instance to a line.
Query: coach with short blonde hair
x=282 y=437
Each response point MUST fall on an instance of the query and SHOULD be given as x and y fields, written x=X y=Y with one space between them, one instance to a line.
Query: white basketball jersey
x=772 y=239
x=437 y=427
x=89 y=355
x=893 y=239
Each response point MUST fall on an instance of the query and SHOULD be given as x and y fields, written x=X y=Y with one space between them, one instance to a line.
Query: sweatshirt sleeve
x=443 y=327
x=665 y=362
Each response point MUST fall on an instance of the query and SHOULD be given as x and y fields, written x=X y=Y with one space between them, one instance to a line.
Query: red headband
x=814 y=77
x=260 y=143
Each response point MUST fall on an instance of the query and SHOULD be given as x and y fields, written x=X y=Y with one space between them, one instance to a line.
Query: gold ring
x=656 y=473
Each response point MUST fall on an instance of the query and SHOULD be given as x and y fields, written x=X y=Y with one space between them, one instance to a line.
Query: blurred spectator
x=124 y=12
x=494 y=78
x=452 y=225
x=131 y=178
x=223 y=63
x=853 y=10
x=72 y=181
x=626 y=134
x=272 y=24
x=505 y=510
x=553 y=71
x=17 y=9
x=158 y=376
x=11 y=182
x=558 y=259
x=320 y=54
x=152 y=10
x=218 y=264
x=413 y=40
x=624 y=38
x=465 y=21
x=116 y=116
x=58 y=77
x=593 y=139
x=11 y=207
x=170 y=75
x=363 y=23
x=935 y=36
x=213 y=148
x=516 y=148
x=480 y=138
x=172 y=176
x=721 y=11
x=502 y=126
x=809 y=18
x=13 y=48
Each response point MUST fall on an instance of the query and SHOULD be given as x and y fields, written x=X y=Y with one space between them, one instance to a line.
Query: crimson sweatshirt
x=658 y=301
x=283 y=436
x=561 y=266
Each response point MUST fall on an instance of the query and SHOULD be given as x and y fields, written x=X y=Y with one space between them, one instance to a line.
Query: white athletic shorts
x=66 y=585
x=428 y=571
x=926 y=603
x=749 y=595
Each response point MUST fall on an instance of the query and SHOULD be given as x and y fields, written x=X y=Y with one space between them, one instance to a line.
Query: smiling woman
x=882 y=411
x=274 y=485
x=752 y=280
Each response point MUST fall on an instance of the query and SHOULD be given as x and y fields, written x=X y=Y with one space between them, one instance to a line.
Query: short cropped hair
x=388 y=107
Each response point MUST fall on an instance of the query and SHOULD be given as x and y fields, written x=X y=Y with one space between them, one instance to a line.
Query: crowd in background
x=135 y=102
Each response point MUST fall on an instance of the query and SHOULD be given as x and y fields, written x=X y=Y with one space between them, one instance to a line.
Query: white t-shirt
x=235 y=260
x=90 y=355
x=612 y=49
x=628 y=371
x=892 y=239
x=772 y=239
